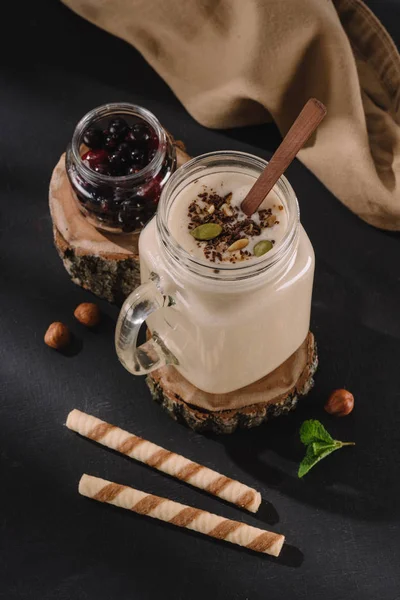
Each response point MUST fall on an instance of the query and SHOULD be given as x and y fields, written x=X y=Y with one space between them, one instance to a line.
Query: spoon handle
x=303 y=127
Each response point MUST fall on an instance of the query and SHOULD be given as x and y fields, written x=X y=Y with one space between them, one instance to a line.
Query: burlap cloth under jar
x=240 y=62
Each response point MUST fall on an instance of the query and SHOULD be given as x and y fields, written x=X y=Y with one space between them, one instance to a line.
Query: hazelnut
x=340 y=403
x=88 y=314
x=57 y=336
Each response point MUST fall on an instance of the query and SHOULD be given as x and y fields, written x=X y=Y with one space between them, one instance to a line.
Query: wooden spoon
x=305 y=124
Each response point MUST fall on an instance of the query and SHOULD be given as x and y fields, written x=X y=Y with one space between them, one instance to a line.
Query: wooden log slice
x=104 y=263
x=274 y=395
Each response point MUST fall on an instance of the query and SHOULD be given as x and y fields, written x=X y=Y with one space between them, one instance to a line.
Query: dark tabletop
x=341 y=521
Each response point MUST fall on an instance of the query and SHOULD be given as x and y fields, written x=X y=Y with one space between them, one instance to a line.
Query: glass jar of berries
x=118 y=161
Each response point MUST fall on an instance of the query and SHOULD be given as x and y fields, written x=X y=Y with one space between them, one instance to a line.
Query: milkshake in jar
x=226 y=297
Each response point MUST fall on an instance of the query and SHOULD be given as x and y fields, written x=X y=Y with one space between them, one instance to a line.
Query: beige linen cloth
x=240 y=62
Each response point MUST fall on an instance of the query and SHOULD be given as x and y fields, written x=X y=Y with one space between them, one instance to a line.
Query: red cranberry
x=93 y=138
x=94 y=158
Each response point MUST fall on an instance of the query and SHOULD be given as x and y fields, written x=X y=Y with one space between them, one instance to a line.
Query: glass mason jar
x=223 y=326
x=119 y=203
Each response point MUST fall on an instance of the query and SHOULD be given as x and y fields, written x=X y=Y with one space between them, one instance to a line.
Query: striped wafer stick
x=163 y=460
x=181 y=515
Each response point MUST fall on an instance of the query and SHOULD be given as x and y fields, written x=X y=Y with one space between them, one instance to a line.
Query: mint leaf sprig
x=319 y=444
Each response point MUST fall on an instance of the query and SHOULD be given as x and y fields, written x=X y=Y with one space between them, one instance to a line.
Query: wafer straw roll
x=168 y=462
x=181 y=515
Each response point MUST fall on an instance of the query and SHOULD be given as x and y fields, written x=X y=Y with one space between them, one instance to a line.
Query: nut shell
x=57 y=336
x=88 y=314
x=340 y=403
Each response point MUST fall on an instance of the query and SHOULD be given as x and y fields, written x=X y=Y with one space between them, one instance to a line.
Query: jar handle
x=153 y=354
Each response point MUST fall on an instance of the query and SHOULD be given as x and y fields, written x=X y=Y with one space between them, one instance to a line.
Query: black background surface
x=341 y=521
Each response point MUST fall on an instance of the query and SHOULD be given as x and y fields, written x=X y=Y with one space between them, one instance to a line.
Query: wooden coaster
x=106 y=264
x=180 y=398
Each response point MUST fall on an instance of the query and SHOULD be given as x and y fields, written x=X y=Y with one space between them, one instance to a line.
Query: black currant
x=118 y=127
x=93 y=138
